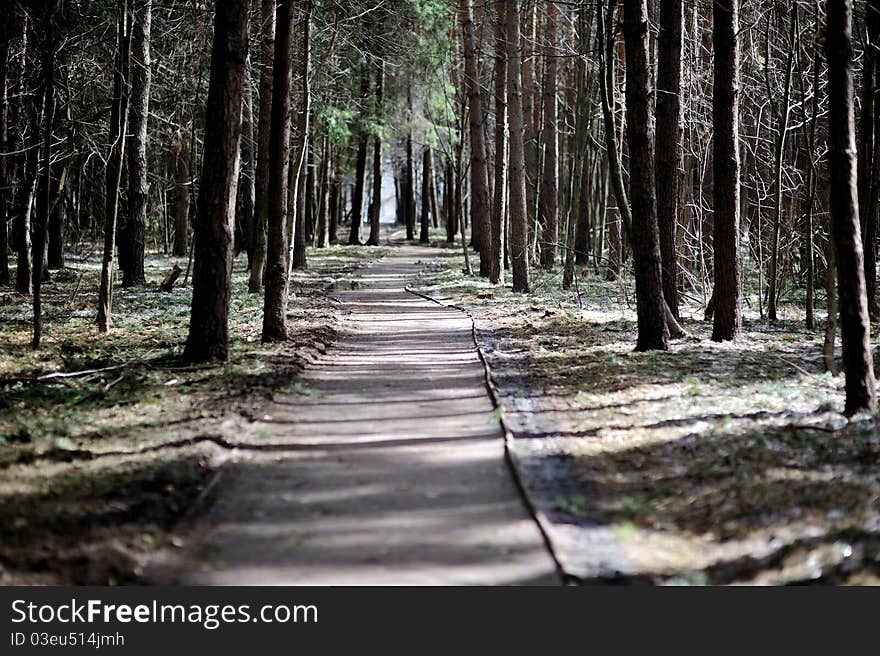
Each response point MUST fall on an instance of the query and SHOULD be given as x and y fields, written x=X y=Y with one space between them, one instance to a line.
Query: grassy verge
x=107 y=440
x=707 y=464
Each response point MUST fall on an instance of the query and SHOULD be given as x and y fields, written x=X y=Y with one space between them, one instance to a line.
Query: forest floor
x=106 y=441
x=709 y=464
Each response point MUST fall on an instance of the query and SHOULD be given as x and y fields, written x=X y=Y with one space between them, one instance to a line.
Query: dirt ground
x=710 y=464
x=106 y=442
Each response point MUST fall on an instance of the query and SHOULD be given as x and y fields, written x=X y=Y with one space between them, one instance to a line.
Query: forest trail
x=387 y=468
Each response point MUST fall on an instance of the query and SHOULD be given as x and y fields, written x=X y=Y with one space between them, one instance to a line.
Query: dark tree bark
x=519 y=245
x=131 y=244
x=298 y=247
x=861 y=392
x=264 y=127
x=607 y=41
x=427 y=168
x=725 y=166
x=244 y=204
x=321 y=240
x=57 y=217
x=376 y=203
x=669 y=148
x=118 y=127
x=360 y=173
x=180 y=164
x=869 y=151
x=548 y=202
x=334 y=206
x=653 y=332
x=41 y=223
x=480 y=204
x=213 y=239
x=5 y=169
x=409 y=192
x=276 y=297
x=499 y=191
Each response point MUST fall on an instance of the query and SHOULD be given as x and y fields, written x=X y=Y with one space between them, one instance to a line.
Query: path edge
x=545 y=526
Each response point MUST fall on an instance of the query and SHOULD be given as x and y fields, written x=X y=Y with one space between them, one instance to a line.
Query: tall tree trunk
x=334 y=206
x=783 y=115
x=669 y=147
x=869 y=151
x=532 y=120
x=653 y=331
x=376 y=203
x=118 y=127
x=499 y=193
x=276 y=297
x=861 y=391
x=360 y=173
x=131 y=246
x=57 y=217
x=303 y=145
x=180 y=163
x=409 y=193
x=244 y=204
x=6 y=27
x=264 y=127
x=321 y=240
x=41 y=223
x=519 y=237
x=213 y=248
x=725 y=166
x=480 y=205
x=548 y=203
x=427 y=166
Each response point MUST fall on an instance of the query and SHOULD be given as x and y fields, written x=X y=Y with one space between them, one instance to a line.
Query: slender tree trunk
x=726 y=164
x=784 y=114
x=653 y=332
x=180 y=161
x=499 y=199
x=321 y=238
x=5 y=169
x=134 y=226
x=213 y=248
x=480 y=204
x=360 y=173
x=427 y=166
x=245 y=198
x=264 y=127
x=861 y=391
x=669 y=147
x=376 y=204
x=276 y=297
x=869 y=152
x=44 y=200
x=519 y=238
x=548 y=200
x=118 y=127
x=409 y=195
x=57 y=217
x=606 y=91
x=296 y=207
x=334 y=206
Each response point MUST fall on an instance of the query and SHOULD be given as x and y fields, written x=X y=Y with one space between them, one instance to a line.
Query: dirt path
x=387 y=468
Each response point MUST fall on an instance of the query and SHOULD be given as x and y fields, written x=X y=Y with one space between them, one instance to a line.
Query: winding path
x=389 y=471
